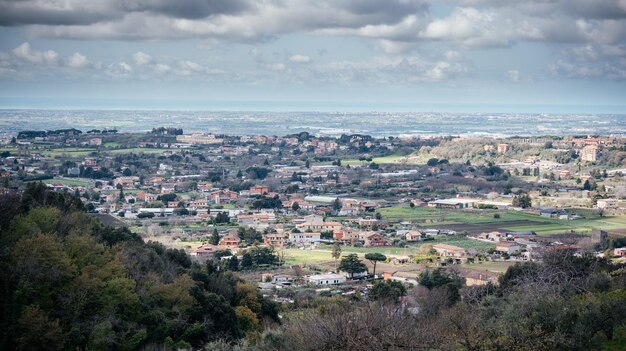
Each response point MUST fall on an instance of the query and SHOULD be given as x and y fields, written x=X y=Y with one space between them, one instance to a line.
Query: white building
x=304 y=238
x=326 y=279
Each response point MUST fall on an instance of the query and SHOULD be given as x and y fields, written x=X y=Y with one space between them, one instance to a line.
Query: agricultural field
x=477 y=221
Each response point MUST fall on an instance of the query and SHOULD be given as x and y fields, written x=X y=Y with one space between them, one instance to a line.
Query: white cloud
x=141 y=58
x=25 y=52
x=161 y=68
x=300 y=58
x=77 y=60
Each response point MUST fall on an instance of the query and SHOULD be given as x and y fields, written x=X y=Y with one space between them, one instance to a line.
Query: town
x=333 y=216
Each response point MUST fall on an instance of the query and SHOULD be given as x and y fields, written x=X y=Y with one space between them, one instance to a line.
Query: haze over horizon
x=401 y=55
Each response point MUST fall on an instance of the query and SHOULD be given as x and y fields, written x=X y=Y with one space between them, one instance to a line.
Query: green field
x=509 y=220
x=497 y=266
x=297 y=256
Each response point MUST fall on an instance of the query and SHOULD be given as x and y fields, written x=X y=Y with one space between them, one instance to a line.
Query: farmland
x=476 y=221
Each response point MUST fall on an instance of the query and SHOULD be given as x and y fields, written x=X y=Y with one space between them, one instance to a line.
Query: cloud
x=161 y=68
x=77 y=60
x=187 y=68
x=300 y=58
x=25 y=52
x=141 y=58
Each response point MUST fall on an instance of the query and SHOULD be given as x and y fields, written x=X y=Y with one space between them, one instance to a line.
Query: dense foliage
x=68 y=282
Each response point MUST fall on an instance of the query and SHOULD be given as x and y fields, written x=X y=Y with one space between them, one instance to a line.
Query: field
x=66 y=181
x=497 y=266
x=477 y=221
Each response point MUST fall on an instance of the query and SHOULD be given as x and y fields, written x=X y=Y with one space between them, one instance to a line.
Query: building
x=621 y=252
x=257 y=220
x=229 y=242
x=326 y=279
x=474 y=278
x=589 y=153
x=413 y=235
x=304 y=238
x=607 y=203
x=508 y=247
x=374 y=239
x=449 y=250
x=199 y=138
x=95 y=141
x=204 y=250
x=258 y=190
x=503 y=148
x=453 y=203
x=274 y=240
x=320 y=226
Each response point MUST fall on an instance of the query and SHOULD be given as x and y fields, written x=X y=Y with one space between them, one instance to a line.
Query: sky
x=479 y=55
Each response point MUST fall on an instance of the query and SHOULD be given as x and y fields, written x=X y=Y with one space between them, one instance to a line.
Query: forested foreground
x=69 y=283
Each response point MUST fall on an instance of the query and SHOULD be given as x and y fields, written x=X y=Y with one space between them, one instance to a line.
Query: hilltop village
x=300 y=214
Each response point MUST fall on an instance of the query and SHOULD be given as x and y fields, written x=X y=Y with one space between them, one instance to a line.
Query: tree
x=336 y=204
x=336 y=253
x=215 y=238
x=233 y=263
x=295 y=206
x=523 y=201
x=432 y=162
x=374 y=258
x=351 y=264
x=221 y=217
x=387 y=290
x=246 y=261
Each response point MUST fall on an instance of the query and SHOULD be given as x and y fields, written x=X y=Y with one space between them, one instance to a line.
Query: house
x=204 y=250
x=147 y=197
x=621 y=252
x=282 y=279
x=347 y=235
x=400 y=259
x=474 y=278
x=257 y=220
x=509 y=247
x=229 y=242
x=413 y=235
x=199 y=204
x=492 y=236
x=126 y=181
x=374 y=239
x=223 y=197
x=607 y=203
x=320 y=226
x=449 y=250
x=258 y=190
x=589 y=153
x=326 y=279
x=274 y=240
x=503 y=148
x=304 y=238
